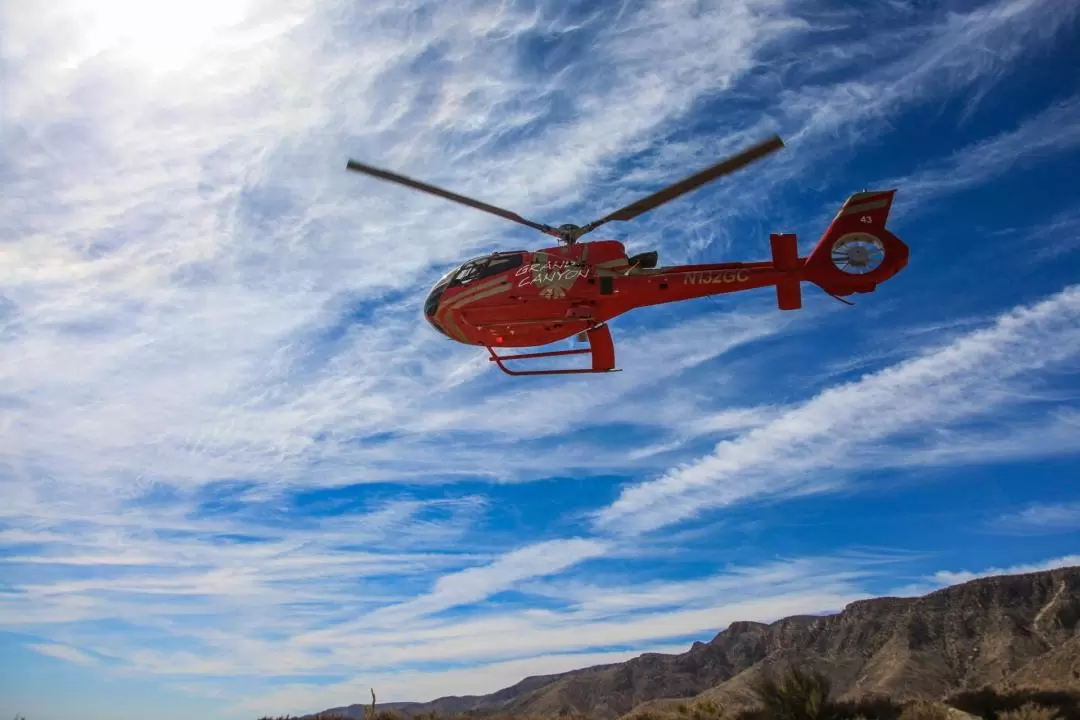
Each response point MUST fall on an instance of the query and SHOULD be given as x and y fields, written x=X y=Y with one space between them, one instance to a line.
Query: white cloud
x=1040 y=518
x=198 y=251
x=268 y=639
x=198 y=339
x=948 y=57
x=963 y=381
x=1059 y=235
x=158 y=571
x=195 y=319
x=950 y=577
x=556 y=640
x=62 y=652
x=475 y=584
x=945 y=578
x=656 y=356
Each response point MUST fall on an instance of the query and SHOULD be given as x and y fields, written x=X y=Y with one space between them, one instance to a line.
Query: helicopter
x=530 y=299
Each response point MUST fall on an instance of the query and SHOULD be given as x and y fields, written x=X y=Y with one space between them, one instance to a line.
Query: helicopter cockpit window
x=486 y=267
x=468 y=272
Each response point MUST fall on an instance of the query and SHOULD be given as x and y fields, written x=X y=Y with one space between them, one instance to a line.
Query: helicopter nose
x=431 y=306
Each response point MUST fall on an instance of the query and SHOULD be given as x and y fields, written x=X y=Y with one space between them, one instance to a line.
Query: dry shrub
x=700 y=710
x=868 y=707
x=991 y=704
x=925 y=710
x=1030 y=711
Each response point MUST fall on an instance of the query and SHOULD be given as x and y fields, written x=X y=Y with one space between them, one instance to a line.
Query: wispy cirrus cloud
x=1060 y=235
x=1052 y=132
x=260 y=346
x=845 y=428
x=276 y=384
x=62 y=652
x=559 y=640
x=230 y=447
x=912 y=61
x=1039 y=519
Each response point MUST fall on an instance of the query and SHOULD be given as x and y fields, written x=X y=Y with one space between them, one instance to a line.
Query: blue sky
x=240 y=474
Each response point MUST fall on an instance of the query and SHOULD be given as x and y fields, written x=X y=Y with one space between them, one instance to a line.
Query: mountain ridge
x=997 y=630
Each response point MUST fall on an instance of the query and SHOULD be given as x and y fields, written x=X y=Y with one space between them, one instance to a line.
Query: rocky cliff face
x=1019 y=629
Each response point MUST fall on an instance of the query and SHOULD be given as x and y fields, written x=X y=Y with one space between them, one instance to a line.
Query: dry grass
x=993 y=704
x=700 y=710
x=925 y=710
x=1031 y=711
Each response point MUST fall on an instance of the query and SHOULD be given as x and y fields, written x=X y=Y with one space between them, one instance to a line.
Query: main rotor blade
x=417 y=185
x=724 y=167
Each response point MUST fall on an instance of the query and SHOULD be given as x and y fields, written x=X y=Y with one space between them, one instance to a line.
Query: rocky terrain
x=1005 y=631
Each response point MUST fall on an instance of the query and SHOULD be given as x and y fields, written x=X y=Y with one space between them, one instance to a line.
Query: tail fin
x=785 y=257
x=857 y=253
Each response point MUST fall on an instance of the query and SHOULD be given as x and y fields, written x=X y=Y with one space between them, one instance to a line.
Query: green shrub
x=796 y=695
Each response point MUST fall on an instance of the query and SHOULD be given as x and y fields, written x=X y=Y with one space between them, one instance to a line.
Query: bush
x=1031 y=711
x=797 y=695
x=925 y=710
x=700 y=710
x=869 y=707
x=990 y=704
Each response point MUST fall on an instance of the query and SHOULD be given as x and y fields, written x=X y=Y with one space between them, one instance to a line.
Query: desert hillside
x=1005 y=631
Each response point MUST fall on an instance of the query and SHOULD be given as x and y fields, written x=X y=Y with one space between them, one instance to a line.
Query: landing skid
x=601 y=348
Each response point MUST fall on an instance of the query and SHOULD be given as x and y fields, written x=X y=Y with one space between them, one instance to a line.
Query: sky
x=240 y=475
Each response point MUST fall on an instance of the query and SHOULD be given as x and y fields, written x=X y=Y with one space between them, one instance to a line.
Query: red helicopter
x=523 y=299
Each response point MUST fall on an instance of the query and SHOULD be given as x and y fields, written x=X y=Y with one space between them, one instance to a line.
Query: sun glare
x=156 y=36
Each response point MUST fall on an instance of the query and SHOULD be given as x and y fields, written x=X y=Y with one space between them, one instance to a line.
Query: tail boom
x=873 y=255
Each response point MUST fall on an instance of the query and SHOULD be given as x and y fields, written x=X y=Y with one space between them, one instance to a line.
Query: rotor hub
x=858 y=256
x=569 y=233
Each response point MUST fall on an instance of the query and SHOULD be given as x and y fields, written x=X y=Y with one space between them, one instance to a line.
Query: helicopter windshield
x=480 y=268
